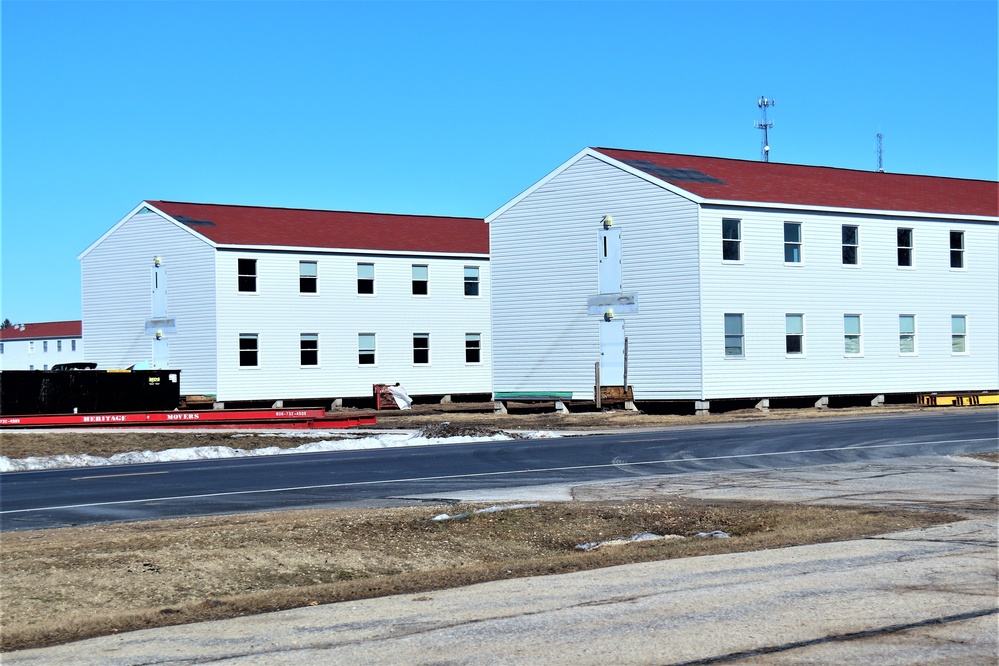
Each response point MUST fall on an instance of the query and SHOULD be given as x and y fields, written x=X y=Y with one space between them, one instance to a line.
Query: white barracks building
x=735 y=279
x=255 y=303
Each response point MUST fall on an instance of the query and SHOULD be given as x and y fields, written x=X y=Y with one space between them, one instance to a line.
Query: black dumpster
x=85 y=391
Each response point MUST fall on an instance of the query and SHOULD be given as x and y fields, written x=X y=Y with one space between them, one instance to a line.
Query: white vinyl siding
x=766 y=290
x=544 y=262
x=281 y=314
x=116 y=296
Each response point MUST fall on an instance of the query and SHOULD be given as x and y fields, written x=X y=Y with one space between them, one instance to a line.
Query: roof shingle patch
x=326 y=229
x=827 y=187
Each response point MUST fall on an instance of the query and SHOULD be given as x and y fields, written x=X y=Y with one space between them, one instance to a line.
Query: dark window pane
x=793 y=344
x=730 y=250
x=419 y=287
x=849 y=255
x=365 y=286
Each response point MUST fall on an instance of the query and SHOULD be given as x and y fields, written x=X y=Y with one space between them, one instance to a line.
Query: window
x=851 y=245
x=366 y=348
x=471 y=281
x=45 y=346
x=31 y=347
x=309 y=348
x=420 y=280
x=794 y=327
x=58 y=345
x=792 y=243
x=958 y=334
x=248 y=350
x=907 y=334
x=957 y=249
x=308 y=277
x=733 y=335
x=1 y=347
x=731 y=240
x=421 y=348
x=72 y=345
x=31 y=367
x=473 y=348
x=247 y=271
x=365 y=278
x=904 y=247
x=851 y=335
x=45 y=367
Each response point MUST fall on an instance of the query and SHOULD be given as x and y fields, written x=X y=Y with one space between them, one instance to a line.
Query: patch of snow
x=490 y=509
x=644 y=536
x=717 y=534
x=379 y=441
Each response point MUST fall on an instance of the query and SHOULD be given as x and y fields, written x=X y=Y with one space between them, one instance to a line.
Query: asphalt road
x=80 y=496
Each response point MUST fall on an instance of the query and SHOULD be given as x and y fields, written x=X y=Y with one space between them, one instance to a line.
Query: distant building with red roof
x=724 y=279
x=41 y=345
x=255 y=303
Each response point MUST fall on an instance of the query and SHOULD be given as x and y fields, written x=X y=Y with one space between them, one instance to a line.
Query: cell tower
x=881 y=164
x=764 y=125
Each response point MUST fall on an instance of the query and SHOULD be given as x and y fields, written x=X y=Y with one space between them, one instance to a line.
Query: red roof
x=293 y=227
x=45 y=329
x=770 y=182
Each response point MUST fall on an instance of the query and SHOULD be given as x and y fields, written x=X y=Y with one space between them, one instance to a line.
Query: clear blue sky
x=448 y=108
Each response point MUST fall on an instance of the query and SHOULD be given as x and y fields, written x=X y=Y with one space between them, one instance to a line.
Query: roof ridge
x=311 y=210
x=793 y=164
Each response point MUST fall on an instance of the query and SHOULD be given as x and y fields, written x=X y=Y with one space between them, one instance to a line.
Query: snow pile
x=491 y=509
x=381 y=441
x=644 y=536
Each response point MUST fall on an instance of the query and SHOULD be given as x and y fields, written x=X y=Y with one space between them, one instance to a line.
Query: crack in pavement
x=852 y=636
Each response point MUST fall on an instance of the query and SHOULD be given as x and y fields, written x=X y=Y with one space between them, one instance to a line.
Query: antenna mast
x=881 y=165
x=763 y=103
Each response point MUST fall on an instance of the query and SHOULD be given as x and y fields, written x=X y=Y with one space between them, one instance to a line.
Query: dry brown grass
x=67 y=584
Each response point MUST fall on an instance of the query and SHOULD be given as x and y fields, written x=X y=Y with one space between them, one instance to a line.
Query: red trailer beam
x=297 y=418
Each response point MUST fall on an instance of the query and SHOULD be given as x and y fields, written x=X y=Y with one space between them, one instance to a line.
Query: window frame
x=307 y=281
x=58 y=345
x=45 y=346
x=420 y=286
x=245 y=277
x=855 y=246
x=72 y=345
x=957 y=252
x=903 y=335
x=788 y=335
x=959 y=336
x=312 y=350
x=421 y=351
x=734 y=242
x=473 y=281
x=365 y=283
x=909 y=250
x=31 y=346
x=793 y=245
x=741 y=335
x=363 y=352
x=246 y=352
x=859 y=335
x=475 y=348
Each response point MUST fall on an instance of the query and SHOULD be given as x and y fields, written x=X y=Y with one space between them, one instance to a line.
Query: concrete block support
x=878 y=401
x=337 y=404
x=218 y=405
x=822 y=403
x=763 y=405
x=560 y=407
x=499 y=407
x=446 y=400
x=629 y=406
x=702 y=407
x=278 y=404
